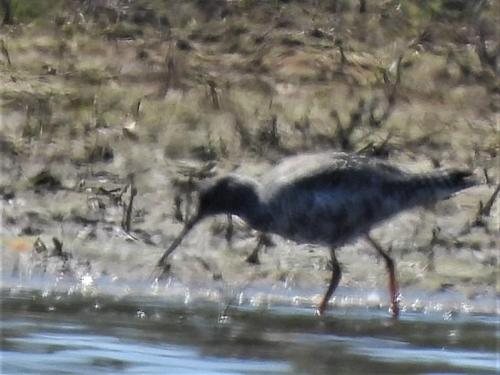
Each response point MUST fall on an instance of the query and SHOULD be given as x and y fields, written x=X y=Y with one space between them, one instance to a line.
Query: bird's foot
x=253 y=259
x=320 y=310
x=394 y=309
x=161 y=271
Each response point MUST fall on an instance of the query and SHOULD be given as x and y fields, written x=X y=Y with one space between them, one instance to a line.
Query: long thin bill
x=189 y=225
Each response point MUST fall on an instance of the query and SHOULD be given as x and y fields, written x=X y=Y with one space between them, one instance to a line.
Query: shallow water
x=74 y=331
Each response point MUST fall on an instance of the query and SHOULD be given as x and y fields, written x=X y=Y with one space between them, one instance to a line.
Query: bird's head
x=231 y=194
x=222 y=196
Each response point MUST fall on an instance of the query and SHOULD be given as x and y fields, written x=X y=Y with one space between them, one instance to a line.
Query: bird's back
x=311 y=166
x=331 y=198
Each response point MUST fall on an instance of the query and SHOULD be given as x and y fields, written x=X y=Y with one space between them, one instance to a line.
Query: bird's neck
x=247 y=204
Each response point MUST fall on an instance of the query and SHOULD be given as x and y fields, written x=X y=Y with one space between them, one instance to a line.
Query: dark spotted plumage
x=331 y=198
x=325 y=198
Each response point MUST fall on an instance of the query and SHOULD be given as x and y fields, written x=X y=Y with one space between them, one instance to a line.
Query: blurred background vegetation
x=218 y=79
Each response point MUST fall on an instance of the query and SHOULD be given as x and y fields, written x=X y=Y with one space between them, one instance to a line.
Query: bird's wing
x=329 y=197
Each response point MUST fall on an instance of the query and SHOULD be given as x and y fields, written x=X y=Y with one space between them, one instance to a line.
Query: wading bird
x=325 y=198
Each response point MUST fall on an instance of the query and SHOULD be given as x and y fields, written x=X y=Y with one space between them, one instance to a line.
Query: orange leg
x=393 y=284
x=334 y=282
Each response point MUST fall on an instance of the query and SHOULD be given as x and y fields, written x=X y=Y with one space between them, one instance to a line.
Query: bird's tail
x=434 y=186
